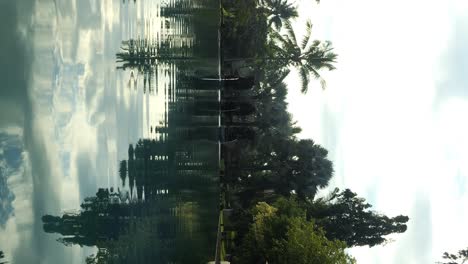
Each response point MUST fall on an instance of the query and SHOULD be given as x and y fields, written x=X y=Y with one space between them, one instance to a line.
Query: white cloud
x=390 y=144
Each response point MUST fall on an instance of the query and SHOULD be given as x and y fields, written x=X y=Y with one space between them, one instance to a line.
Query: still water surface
x=101 y=94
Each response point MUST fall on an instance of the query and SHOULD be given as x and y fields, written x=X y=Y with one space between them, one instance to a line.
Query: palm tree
x=277 y=11
x=308 y=56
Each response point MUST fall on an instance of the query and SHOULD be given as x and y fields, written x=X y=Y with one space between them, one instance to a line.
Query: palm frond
x=285 y=47
x=316 y=43
x=329 y=66
x=275 y=35
x=323 y=84
x=277 y=11
x=307 y=35
x=285 y=9
x=315 y=73
x=327 y=43
x=330 y=55
x=304 y=73
x=280 y=77
x=317 y=76
x=276 y=39
x=290 y=33
x=316 y=55
x=313 y=48
x=288 y=12
x=277 y=22
x=279 y=45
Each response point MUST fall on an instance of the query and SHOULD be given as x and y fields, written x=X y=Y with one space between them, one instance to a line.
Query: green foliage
x=244 y=29
x=347 y=217
x=132 y=246
x=137 y=245
x=157 y=239
x=308 y=56
x=99 y=220
x=459 y=258
x=285 y=166
x=226 y=13
x=277 y=11
x=281 y=235
x=290 y=207
x=247 y=34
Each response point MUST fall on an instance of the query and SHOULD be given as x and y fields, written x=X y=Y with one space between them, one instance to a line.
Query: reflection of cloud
x=34 y=187
x=59 y=96
x=13 y=103
x=6 y=199
x=87 y=175
x=11 y=159
x=10 y=151
x=25 y=109
x=12 y=67
x=89 y=14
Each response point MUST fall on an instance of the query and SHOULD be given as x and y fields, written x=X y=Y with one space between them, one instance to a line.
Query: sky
x=393 y=116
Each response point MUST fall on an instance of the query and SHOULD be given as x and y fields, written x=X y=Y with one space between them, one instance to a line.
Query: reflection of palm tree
x=123 y=171
x=278 y=11
x=131 y=169
x=309 y=57
x=143 y=54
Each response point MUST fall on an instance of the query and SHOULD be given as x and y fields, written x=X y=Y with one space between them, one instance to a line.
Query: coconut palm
x=308 y=56
x=278 y=11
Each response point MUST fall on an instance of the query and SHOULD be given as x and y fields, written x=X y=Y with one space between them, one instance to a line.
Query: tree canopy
x=283 y=235
x=347 y=217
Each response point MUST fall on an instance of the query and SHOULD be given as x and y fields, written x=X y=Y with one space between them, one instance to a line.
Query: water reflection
x=168 y=196
x=68 y=117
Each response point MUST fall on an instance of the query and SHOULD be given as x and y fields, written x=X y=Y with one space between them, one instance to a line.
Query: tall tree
x=314 y=169
x=301 y=166
x=308 y=56
x=348 y=218
x=288 y=166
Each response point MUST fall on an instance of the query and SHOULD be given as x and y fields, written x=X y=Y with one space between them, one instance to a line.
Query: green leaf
x=304 y=73
x=307 y=35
